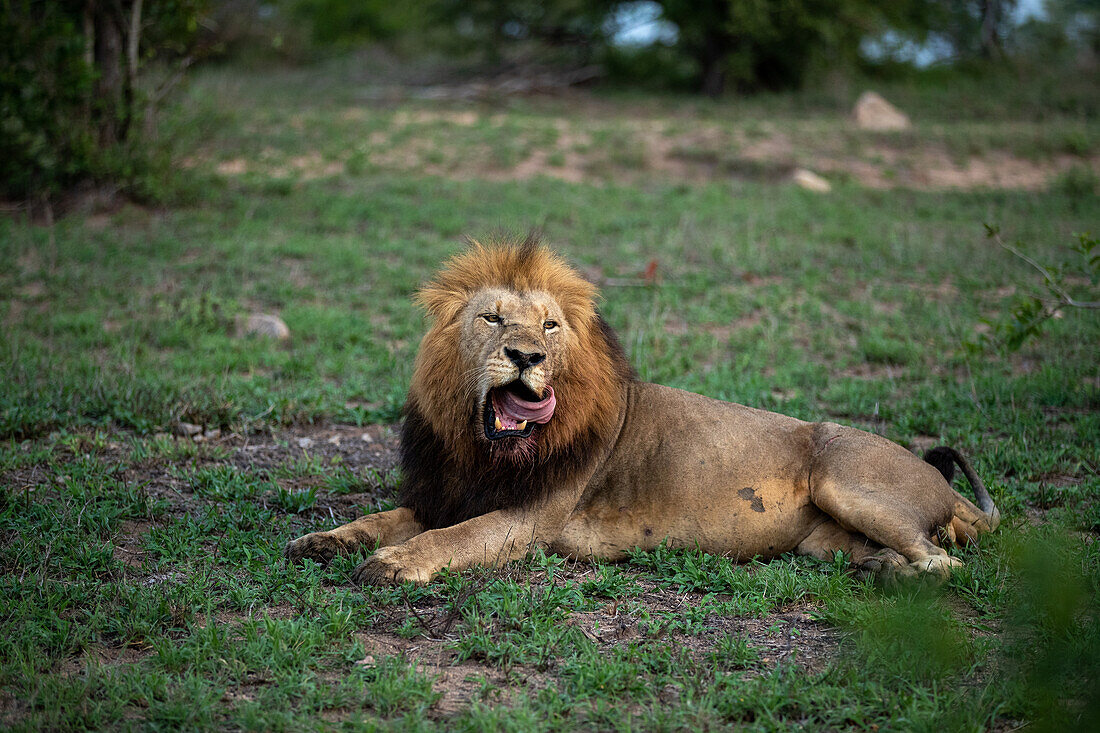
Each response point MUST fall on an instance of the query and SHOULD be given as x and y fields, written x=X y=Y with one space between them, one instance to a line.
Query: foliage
x=347 y=22
x=766 y=45
x=71 y=107
x=573 y=30
x=1071 y=285
x=975 y=28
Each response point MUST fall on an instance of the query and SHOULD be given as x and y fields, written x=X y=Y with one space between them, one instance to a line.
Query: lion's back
x=729 y=477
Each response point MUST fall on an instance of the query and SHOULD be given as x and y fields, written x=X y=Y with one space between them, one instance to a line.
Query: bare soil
x=596 y=145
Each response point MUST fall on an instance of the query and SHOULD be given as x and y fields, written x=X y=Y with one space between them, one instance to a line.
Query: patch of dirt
x=103 y=656
x=870 y=371
x=373 y=446
x=458 y=683
x=790 y=636
x=675 y=326
x=127 y=541
x=922 y=443
x=595 y=144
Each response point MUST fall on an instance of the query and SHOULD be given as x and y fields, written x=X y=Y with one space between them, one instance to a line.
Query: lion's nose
x=524 y=359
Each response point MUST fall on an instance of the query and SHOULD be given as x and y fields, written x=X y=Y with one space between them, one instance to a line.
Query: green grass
x=141 y=574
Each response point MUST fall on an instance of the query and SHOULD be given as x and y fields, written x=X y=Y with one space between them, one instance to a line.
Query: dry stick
x=424 y=623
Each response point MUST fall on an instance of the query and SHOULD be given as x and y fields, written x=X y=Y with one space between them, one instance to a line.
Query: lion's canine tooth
x=522 y=425
x=497 y=424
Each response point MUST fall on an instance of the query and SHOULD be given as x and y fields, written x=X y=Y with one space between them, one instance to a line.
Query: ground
x=141 y=570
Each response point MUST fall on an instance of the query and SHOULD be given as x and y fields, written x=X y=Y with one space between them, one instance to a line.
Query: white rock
x=265 y=324
x=188 y=429
x=305 y=442
x=872 y=112
x=811 y=181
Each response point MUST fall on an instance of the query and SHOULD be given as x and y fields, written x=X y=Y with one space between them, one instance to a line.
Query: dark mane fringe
x=442 y=492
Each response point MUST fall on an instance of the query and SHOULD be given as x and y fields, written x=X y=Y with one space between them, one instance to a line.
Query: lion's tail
x=944 y=460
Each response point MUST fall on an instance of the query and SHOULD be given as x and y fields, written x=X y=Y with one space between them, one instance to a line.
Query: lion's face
x=517 y=367
x=512 y=344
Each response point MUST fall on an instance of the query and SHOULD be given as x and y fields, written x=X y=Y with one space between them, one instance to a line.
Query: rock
x=305 y=442
x=188 y=429
x=212 y=434
x=366 y=438
x=811 y=181
x=265 y=324
x=872 y=112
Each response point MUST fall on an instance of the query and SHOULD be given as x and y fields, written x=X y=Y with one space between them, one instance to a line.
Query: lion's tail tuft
x=944 y=460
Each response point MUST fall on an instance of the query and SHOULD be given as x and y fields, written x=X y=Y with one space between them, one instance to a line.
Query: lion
x=525 y=426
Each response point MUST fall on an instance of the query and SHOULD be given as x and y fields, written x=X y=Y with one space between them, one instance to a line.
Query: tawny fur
x=621 y=463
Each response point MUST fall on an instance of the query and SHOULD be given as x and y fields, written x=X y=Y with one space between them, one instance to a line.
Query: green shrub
x=71 y=106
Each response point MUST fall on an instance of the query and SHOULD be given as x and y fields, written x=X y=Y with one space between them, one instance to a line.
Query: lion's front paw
x=318 y=546
x=390 y=565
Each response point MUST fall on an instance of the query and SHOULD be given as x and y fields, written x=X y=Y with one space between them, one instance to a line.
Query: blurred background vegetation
x=80 y=80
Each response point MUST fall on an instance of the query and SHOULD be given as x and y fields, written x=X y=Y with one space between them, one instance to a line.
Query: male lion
x=525 y=425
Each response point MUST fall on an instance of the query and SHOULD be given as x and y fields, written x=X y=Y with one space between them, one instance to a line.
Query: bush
x=70 y=104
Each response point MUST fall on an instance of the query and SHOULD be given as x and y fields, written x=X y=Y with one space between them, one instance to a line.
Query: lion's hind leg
x=385 y=528
x=876 y=488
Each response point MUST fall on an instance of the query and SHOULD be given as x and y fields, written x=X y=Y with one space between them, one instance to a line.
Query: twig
x=1065 y=297
x=424 y=623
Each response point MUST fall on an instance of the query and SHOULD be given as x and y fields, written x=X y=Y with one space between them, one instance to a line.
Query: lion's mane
x=449 y=474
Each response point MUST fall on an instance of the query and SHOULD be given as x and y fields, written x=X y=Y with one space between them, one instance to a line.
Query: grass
x=141 y=573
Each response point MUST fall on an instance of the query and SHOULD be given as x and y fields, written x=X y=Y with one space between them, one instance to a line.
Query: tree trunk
x=991 y=12
x=112 y=89
x=712 y=60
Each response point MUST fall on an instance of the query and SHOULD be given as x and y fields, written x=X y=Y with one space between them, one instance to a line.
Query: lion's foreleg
x=492 y=539
x=384 y=528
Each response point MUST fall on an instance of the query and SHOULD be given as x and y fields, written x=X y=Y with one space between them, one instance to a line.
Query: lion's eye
x=549 y=325
x=491 y=317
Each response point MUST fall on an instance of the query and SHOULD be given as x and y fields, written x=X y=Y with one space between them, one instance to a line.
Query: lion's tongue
x=512 y=410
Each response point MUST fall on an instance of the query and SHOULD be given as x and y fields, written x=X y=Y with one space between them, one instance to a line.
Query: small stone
x=305 y=442
x=188 y=429
x=265 y=324
x=810 y=181
x=366 y=438
x=367 y=661
x=334 y=440
x=872 y=112
x=213 y=434
x=198 y=438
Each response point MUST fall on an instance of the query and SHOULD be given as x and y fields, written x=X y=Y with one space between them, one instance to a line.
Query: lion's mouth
x=513 y=410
